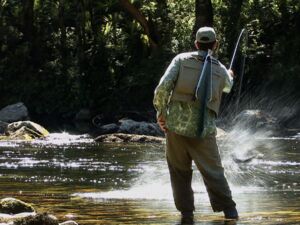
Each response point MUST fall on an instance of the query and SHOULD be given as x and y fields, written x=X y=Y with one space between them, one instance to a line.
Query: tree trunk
x=137 y=15
x=2 y=4
x=80 y=32
x=63 y=36
x=28 y=17
x=232 y=31
x=233 y=24
x=3 y=39
x=94 y=24
x=204 y=15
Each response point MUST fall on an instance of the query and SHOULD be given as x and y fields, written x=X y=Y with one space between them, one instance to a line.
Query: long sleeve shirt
x=182 y=117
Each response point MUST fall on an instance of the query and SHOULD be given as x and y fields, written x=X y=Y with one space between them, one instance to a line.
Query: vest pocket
x=216 y=87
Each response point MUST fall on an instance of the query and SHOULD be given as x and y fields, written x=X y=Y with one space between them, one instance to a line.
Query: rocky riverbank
x=14 y=127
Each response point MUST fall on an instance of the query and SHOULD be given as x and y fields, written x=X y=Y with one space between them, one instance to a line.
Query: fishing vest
x=189 y=74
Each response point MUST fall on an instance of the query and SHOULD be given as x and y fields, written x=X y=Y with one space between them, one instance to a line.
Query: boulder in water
x=14 y=206
x=255 y=120
x=108 y=129
x=70 y=222
x=43 y=219
x=17 y=212
x=24 y=130
x=15 y=112
x=8 y=219
x=129 y=126
x=125 y=138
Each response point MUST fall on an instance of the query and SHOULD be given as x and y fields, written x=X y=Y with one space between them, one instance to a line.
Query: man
x=187 y=101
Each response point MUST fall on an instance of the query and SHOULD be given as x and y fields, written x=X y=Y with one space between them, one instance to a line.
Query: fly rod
x=243 y=33
x=237 y=45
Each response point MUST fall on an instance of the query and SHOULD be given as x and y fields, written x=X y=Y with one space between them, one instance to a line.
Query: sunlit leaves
x=101 y=53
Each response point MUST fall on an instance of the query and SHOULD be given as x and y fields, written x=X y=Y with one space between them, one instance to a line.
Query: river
x=75 y=178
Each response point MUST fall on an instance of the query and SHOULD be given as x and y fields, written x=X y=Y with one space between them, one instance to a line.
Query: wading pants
x=180 y=152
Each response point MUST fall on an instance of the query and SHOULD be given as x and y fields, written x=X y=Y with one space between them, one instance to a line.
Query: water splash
x=242 y=146
x=246 y=175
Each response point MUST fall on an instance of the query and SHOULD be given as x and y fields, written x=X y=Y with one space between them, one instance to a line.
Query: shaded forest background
x=59 y=56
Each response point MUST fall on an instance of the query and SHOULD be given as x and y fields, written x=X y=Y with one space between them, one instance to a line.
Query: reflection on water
x=76 y=178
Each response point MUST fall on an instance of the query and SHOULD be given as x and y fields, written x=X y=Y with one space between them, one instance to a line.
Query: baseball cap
x=206 y=35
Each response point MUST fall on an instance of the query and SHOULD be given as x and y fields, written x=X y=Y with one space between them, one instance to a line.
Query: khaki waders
x=181 y=150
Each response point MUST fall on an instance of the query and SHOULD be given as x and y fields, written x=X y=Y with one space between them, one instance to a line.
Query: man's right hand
x=162 y=123
x=231 y=73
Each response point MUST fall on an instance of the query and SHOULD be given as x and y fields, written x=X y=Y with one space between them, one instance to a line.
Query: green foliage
x=182 y=12
x=71 y=54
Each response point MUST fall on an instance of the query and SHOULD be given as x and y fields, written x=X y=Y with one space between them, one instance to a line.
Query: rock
x=15 y=112
x=3 y=127
x=14 y=206
x=256 y=119
x=137 y=138
x=70 y=222
x=248 y=157
x=119 y=138
x=10 y=209
x=9 y=219
x=129 y=126
x=25 y=130
x=83 y=114
x=42 y=219
x=108 y=129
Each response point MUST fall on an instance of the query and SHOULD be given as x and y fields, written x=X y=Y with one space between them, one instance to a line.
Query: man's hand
x=162 y=123
x=231 y=73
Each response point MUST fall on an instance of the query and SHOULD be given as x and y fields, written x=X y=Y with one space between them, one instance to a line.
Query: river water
x=75 y=178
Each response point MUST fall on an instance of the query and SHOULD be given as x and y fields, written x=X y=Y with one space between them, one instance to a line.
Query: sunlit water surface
x=75 y=178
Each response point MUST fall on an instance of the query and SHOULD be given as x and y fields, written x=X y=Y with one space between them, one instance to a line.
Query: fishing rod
x=237 y=45
x=243 y=33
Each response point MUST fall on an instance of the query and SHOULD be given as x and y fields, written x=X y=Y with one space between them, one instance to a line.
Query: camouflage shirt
x=182 y=117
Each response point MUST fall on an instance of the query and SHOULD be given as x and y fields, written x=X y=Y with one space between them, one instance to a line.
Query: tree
x=233 y=24
x=147 y=25
x=27 y=20
x=203 y=14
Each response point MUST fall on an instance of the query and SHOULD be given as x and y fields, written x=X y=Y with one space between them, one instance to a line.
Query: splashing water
x=241 y=158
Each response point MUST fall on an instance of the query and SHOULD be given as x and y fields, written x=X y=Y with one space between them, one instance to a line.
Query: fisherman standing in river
x=187 y=101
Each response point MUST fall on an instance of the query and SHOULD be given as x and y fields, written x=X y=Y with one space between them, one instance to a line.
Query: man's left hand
x=162 y=123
